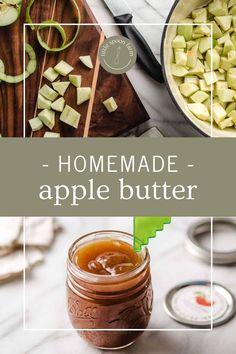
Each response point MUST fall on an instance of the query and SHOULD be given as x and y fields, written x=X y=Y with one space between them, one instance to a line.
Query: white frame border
x=113 y=330
x=25 y=25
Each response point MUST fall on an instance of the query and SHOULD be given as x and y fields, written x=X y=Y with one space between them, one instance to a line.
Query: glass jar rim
x=101 y=278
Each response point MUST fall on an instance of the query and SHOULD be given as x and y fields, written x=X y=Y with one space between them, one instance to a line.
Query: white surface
x=154 y=96
x=45 y=301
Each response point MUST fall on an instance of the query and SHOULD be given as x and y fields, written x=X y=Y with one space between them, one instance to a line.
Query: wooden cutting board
x=95 y=120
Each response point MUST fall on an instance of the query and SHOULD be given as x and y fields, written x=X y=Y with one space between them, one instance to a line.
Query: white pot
x=180 y=10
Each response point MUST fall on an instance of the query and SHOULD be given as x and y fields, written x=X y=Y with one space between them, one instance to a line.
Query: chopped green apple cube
x=50 y=74
x=191 y=80
x=232 y=114
x=185 y=29
x=217 y=33
x=61 y=86
x=43 y=102
x=75 y=80
x=35 y=124
x=218 y=112
x=232 y=57
x=198 y=69
x=192 y=56
x=220 y=76
x=207 y=67
x=210 y=77
x=224 y=22
x=229 y=46
x=226 y=95
x=219 y=49
x=181 y=58
x=178 y=70
x=204 y=87
x=223 y=39
x=218 y=8
x=220 y=85
x=51 y=135
x=204 y=44
x=83 y=94
x=199 y=110
x=231 y=107
x=200 y=15
x=87 y=61
x=213 y=58
x=203 y=29
x=188 y=90
x=70 y=116
x=47 y=116
x=217 y=100
x=179 y=42
x=58 y=105
x=48 y=93
x=199 y=97
x=226 y=123
x=63 y=68
x=110 y=104
x=231 y=78
x=225 y=64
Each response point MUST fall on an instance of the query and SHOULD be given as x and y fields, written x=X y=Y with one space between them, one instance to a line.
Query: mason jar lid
x=203 y=228
x=190 y=304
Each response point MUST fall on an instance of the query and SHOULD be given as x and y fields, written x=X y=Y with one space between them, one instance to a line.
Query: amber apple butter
x=109 y=288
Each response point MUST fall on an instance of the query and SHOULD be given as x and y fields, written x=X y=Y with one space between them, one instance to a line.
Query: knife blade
x=122 y=15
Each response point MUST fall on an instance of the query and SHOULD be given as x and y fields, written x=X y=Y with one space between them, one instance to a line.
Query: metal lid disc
x=190 y=304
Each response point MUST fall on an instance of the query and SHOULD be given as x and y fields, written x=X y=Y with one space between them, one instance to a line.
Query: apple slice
x=36 y=124
x=51 y=74
x=63 y=68
x=51 y=135
x=48 y=93
x=199 y=97
x=58 y=105
x=224 y=21
x=70 y=116
x=199 y=110
x=178 y=70
x=188 y=90
x=61 y=86
x=87 y=61
x=9 y=11
x=218 y=112
x=76 y=80
x=47 y=117
x=226 y=123
x=83 y=94
x=43 y=102
x=110 y=104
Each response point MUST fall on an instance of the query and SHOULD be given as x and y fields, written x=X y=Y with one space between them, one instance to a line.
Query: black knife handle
x=145 y=55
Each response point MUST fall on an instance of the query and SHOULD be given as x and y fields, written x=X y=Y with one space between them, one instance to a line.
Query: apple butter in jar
x=109 y=288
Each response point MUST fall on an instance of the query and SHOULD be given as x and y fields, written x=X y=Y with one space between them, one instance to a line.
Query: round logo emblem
x=117 y=55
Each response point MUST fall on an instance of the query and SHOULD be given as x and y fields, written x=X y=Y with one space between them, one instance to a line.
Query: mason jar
x=109 y=311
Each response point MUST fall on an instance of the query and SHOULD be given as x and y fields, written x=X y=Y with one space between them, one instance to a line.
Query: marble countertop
x=46 y=301
x=155 y=97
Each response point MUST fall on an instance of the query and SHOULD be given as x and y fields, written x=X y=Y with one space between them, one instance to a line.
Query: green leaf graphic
x=146 y=227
